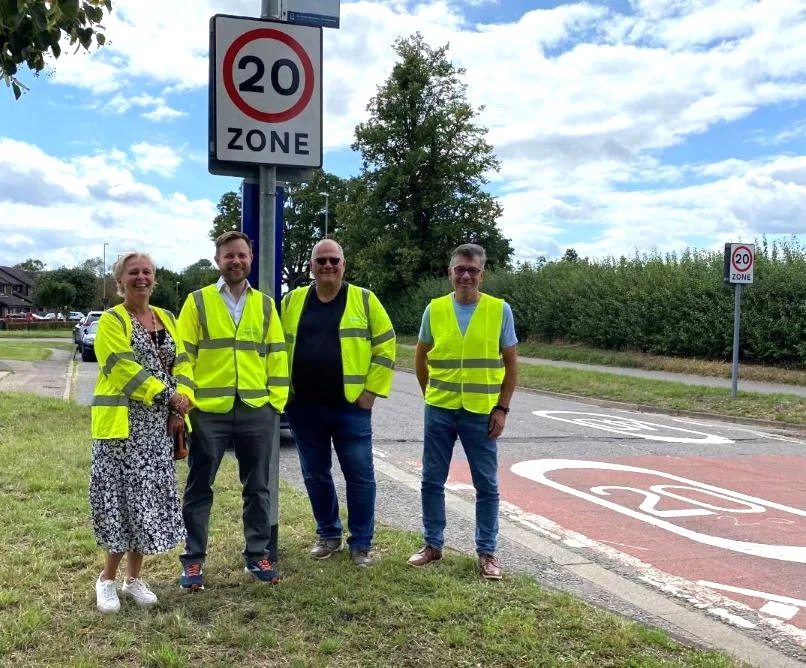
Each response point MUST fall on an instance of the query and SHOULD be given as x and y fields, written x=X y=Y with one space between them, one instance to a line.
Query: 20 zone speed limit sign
x=742 y=259
x=267 y=98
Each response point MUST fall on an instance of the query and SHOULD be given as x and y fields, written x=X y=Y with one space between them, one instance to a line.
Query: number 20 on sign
x=267 y=101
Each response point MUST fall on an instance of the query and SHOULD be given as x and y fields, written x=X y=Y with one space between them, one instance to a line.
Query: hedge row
x=669 y=305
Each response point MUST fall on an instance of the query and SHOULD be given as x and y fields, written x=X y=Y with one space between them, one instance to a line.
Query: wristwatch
x=503 y=409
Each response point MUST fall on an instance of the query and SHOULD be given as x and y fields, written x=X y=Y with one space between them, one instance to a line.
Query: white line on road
x=753 y=593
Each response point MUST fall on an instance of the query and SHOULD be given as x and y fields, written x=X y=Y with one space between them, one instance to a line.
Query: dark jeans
x=349 y=427
x=442 y=427
x=248 y=431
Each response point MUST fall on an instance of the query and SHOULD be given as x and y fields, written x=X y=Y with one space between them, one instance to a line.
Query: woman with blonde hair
x=143 y=392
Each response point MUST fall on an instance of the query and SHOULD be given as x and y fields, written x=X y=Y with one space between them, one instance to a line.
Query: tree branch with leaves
x=30 y=29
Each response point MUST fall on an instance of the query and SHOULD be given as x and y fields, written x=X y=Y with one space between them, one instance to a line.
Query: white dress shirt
x=234 y=306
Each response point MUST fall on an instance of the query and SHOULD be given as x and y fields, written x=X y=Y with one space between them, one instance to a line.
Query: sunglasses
x=472 y=271
x=322 y=261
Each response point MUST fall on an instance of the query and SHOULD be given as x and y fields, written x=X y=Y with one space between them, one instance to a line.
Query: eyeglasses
x=472 y=271
x=322 y=261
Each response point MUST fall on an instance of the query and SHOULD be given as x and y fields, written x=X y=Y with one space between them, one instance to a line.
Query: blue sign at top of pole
x=317 y=13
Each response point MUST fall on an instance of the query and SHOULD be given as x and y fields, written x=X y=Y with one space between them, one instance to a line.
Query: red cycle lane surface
x=735 y=522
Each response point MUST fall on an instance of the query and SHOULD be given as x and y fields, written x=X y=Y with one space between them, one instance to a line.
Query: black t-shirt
x=317 y=374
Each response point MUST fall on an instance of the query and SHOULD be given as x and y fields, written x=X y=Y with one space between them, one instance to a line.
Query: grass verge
x=323 y=613
x=635 y=360
x=30 y=351
x=36 y=334
x=646 y=392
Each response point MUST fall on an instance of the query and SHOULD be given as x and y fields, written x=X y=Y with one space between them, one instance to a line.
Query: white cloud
x=164 y=113
x=162 y=160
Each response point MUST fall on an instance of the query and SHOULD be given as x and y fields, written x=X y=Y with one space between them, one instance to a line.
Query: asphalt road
x=694 y=526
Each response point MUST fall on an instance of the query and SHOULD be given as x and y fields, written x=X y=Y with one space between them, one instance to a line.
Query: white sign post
x=740 y=260
x=268 y=93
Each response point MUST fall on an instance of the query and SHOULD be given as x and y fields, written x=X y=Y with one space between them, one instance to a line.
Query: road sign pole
x=270 y=9
x=737 y=311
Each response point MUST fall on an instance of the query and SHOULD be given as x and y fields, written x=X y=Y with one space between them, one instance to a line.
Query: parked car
x=83 y=325
x=54 y=316
x=75 y=316
x=87 y=345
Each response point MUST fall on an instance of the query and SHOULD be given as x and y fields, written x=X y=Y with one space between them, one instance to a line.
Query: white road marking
x=754 y=593
x=741 y=622
x=632 y=427
x=779 y=610
x=536 y=471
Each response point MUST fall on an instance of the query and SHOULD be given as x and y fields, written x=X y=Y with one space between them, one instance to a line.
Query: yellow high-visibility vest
x=465 y=371
x=248 y=360
x=121 y=378
x=366 y=337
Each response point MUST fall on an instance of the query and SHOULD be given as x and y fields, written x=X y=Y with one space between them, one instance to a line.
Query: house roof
x=15 y=302
x=17 y=276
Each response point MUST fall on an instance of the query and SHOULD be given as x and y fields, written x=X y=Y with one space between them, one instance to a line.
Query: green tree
x=84 y=282
x=166 y=290
x=52 y=293
x=421 y=188
x=31 y=265
x=570 y=255
x=229 y=214
x=304 y=222
x=196 y=276
x=29 y=29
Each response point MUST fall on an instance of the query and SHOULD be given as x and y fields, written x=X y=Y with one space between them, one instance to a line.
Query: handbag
x=180 y=446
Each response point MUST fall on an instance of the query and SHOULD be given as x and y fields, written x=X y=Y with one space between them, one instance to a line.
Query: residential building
x=16 y=291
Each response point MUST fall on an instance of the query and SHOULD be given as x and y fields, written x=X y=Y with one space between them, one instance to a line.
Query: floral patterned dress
x=134 y=497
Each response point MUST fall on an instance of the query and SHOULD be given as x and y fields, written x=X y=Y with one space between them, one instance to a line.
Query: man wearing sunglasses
x=341 y=352
x=467 y=366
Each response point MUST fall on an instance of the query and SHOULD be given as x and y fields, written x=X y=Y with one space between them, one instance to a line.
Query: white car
x=83 y=325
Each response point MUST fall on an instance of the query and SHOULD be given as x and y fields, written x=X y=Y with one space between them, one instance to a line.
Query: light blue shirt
x=234 y=306
x=463 y=313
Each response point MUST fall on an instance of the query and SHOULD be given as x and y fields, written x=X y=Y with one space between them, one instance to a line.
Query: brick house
x=16 y=291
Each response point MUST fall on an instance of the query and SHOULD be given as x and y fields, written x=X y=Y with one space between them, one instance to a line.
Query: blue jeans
x=349 y=427
x=442 y=427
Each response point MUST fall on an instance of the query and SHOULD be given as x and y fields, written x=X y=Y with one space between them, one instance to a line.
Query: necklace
x=152 y=334
x=138 y=317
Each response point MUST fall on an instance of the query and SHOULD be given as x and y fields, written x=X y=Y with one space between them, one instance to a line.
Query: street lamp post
x=103 y=275
x=327 y=209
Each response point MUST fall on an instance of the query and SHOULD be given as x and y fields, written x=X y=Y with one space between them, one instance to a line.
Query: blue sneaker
x=192 y=578
x=263 y=570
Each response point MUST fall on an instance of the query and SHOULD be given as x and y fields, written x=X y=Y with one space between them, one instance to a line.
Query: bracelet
x=503 y=409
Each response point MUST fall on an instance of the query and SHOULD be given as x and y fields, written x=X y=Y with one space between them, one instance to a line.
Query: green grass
x=36 y=333
x=30 y=351
x=635 y=360
x=322 y=613
x=647 y=392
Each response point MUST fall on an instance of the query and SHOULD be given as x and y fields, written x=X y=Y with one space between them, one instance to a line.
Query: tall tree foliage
x=82 y=280
x=421 y=190
x=229 y=214
x=31 y=264
x=29 y=29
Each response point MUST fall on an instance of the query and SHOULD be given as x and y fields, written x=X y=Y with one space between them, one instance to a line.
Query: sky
x=621 y=126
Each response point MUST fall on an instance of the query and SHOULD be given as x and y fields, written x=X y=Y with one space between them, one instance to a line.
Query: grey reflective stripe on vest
x=354 y=332
x=214 y=392
x=181 y=357
x=383 y=361
x=253 y=394
x=109 y=400
x=354 y=380
x=365 y=299
x=467 y=387
x=467 y=364
x=383 y=338
x=277 y=347
x=216 y=344
x=266 y=316
x=289 y=339
x=118 y=316
x=277 y=381
x=192 y=348
x=186 y=381
x=140 y=377
x=114 y=358
x=199 y=299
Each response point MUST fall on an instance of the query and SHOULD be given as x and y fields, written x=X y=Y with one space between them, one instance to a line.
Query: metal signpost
x=738 y=270
x=265 y=104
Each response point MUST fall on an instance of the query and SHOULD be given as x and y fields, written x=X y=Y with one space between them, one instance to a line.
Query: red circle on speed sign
x=232 y=89
x=741 y=258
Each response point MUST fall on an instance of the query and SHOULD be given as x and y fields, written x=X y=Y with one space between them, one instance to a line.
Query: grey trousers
x=249 y=432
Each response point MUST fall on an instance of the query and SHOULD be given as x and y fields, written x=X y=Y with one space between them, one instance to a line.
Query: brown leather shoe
x=425 y=556
x=490 y=567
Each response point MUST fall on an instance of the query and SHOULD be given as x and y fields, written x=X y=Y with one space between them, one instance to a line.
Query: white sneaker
x=106 y=596
x=139 y=591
